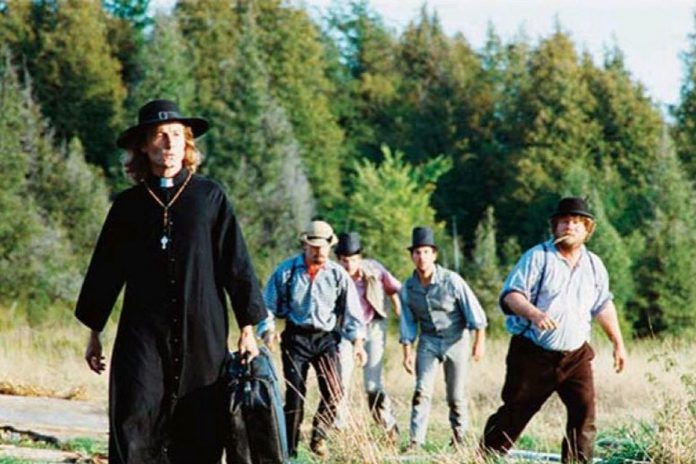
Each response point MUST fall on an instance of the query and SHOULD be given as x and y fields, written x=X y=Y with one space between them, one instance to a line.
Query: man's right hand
x=543 y=321
x=271 y=338
x=93 y=353
x=409 y=359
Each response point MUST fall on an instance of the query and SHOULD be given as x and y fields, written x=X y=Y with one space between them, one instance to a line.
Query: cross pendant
x=164 y=240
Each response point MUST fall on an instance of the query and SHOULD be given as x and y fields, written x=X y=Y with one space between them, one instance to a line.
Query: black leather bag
x=256 y=423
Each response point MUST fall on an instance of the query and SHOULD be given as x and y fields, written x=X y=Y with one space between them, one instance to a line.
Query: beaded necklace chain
x=165 y=214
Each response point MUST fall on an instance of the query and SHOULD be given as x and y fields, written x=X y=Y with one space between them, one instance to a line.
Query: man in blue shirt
x=319 y=301
x=550 y=299
x=445 y=308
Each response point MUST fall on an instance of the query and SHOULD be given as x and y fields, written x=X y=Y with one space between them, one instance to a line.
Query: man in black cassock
x=174 y=241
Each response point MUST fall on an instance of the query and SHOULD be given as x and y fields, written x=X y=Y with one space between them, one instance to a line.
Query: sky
x=652 y=33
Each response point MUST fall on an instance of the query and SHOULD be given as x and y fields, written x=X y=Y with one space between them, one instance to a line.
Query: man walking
x=374 y=284
x=550 y=299
x=319 y=301
x=174 y=241
x=441 y=303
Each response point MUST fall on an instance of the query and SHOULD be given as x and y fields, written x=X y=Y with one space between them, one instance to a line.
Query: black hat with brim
x=348 y=244
x=572 y=206
x=159 y=112
x=422 y=236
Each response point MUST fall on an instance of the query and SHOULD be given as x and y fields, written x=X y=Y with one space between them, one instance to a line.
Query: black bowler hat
x=348 y=244
x=159 y=112
x=573 y=206
x=422 y=236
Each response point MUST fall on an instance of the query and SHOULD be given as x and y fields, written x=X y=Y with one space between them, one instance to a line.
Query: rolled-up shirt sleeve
x=604 y=295
x=524 y=277
x=353 y=322
x=270 y=299
x=470 y=306
x=408 y=329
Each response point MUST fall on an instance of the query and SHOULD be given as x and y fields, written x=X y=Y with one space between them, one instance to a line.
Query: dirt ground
x=63 y=419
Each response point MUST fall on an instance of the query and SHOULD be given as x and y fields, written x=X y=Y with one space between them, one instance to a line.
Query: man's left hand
x=478 y=350
x=359 y=353
x=247 y=343
x=619 y=357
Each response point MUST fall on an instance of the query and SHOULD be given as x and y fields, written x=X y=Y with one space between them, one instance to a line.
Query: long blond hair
x=137 y=166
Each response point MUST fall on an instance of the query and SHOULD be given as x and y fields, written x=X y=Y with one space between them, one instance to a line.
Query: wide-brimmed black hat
x=572 y=206
x=159 y=112
x=422 y=236
x=348 y=244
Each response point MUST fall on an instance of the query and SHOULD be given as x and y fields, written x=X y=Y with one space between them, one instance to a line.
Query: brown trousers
x=533 y=374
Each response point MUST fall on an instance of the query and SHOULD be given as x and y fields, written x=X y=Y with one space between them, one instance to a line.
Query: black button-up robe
x=165 y=398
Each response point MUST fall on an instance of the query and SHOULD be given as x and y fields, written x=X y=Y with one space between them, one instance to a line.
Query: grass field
x=646 y=413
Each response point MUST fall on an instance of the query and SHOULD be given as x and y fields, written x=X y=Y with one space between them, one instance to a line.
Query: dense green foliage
x=374 y=129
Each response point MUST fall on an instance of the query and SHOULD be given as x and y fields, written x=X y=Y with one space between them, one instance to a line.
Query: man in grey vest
x=374 y=284
x=550 y=299
x=445 y=308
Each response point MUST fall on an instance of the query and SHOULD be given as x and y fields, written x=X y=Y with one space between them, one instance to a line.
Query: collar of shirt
x=557 y=252
x=436 y=279
x=154 y=181
x=311 y=269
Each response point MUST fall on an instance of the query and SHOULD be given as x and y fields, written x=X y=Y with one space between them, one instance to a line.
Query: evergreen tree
x=561 y=134
x=389 y=199
x=18 y=219
x=366 y=78
x=685 y=113
x=76 y=77
x=295 y=61
x=167 y=66
x=260 y=163
x=664 y=274
x=631 y=127
x=73 y=195
x=483 y=271
x=37 y=266
x=126 y=23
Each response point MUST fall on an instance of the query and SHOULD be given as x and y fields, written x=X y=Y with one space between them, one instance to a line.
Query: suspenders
x=543 y=275
x=538 y=287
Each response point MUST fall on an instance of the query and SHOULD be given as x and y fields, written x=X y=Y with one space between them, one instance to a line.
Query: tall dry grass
x=652 y=404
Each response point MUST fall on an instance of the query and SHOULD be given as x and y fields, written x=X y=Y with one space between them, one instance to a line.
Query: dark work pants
x=533 y=374
x=300 y=349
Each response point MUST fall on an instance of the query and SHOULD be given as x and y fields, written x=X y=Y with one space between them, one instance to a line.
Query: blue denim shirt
x=571 y=296
x=313 y=303
x=445 y=308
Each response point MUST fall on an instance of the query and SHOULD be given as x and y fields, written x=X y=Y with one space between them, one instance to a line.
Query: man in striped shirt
x=319 y=301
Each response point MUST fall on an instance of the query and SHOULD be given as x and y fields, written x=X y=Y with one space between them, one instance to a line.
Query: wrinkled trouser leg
x=295 y=367
x=576 y=390
x=377 y=398
x=346 y=364
x=426 y=368
x=326 y=366
x=530 y=379
x=456 y=365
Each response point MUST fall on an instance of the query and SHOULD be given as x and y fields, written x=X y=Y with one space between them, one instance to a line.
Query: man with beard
x=319 y=301
x=174 y=241
x=550 y=299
